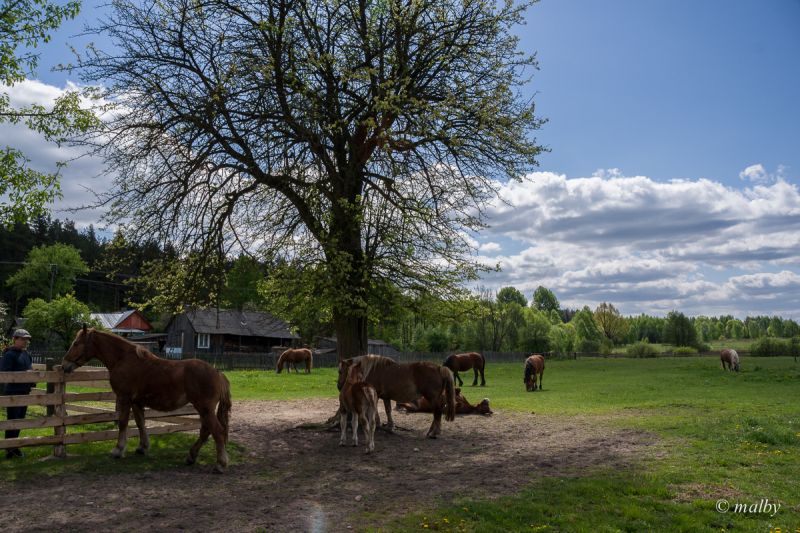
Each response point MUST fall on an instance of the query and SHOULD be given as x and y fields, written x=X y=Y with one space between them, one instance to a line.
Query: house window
x=203 y=340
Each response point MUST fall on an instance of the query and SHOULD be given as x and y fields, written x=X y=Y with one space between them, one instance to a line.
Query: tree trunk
x=351 y=334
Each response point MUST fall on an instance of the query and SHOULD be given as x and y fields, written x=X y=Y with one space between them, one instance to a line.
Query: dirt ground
x=297 y=479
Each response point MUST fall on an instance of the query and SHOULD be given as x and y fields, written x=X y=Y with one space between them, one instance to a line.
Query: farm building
x=124 y=323
x=214 y=331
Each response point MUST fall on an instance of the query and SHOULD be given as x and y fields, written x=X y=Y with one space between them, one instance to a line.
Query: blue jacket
x=15 y=360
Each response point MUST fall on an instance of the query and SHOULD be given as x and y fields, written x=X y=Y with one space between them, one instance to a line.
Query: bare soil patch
x=297 y=479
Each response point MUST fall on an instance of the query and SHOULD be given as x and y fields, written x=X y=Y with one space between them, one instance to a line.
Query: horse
x=731 y=358
x=463 y=407
x=534 y=366
x=464 y=361
x=292 y=356
x=361 y=400
x=140 y=379
x=405 y=383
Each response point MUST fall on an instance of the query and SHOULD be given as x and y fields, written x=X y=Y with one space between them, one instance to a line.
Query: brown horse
x=731 y=358
x=534 y=370
x=292 y=356
x=464 y=361
x=361 y=400
x=463 y=407
x=405 y=383
x=140 y=379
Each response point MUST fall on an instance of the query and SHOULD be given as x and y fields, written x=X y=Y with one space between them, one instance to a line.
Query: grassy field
x=732 y=436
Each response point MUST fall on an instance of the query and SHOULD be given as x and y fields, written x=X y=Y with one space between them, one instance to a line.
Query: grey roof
x=245 y=323
x=110 y=320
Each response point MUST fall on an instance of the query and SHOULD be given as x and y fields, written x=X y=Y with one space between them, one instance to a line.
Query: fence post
x=51 y=388
x=60 y=388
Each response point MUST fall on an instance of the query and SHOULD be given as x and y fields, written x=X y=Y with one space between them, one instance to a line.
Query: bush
x=769 y=347
x=703 y=347
x=642 y=349
x=684 y=350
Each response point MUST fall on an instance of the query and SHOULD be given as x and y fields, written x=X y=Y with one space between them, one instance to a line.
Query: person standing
x=16 y=359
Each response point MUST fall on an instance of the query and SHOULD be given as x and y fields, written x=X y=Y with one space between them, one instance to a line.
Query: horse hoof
x=141 y=451
x=342 y=444
x=190 y=461
x=218 y=470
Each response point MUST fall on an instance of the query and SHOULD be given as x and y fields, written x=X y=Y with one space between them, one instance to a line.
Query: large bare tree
x=363 y=136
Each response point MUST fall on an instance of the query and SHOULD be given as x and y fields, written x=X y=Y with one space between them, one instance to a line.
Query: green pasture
x=720 y=434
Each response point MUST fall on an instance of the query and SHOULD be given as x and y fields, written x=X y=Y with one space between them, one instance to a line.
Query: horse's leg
x=369 y=430
x=483 y=379
x=343 y=426
x=144 y=440
x=387 y=404
x=436 y=425
x=201 y=439
x=219 y=439
x=475 y=371
x=124 y=406
x=455 y=375
x=355 y=428
x=541 y=376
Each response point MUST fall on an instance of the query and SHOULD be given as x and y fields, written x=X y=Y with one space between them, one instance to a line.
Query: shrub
x=770 y=346
x=642 y=349
x=684 y=350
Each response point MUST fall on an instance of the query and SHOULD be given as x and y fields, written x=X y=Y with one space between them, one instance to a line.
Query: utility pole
x=53 y=268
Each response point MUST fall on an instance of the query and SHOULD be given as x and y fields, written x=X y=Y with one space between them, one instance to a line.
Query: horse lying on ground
x=361 y=400
x=464 y=361
x=534 y=370
x=731 y=358
x=405 y=383
x=292 y=356
x=140 y=379
x=463 y=407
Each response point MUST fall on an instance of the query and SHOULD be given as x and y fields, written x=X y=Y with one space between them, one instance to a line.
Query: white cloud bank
x=695 y=246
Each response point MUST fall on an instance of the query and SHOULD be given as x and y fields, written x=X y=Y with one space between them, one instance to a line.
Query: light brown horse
x=359 y=399
x=534 y=370
x=731 y=358
x=292 y=356
x=140 y=379
x=463 y=407
x=461 y=362
x=405 y=383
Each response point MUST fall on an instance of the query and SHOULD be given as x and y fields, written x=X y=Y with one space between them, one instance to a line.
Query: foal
x=360 y=399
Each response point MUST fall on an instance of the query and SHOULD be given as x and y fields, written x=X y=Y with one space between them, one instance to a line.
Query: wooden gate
x=68 y=409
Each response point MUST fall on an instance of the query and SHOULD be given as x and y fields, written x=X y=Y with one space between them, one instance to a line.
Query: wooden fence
x=67 y=409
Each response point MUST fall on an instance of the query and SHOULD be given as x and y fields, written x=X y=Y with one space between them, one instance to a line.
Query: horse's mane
x=133 y=348
x=370 y=362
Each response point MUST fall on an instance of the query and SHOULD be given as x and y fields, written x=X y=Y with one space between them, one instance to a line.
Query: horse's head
x=530 y=378
x=736 y=366
x=79 y=352
x=483 y=407
x=344 y=370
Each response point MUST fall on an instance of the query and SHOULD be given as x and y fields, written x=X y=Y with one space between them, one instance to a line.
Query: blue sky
x=672 y=180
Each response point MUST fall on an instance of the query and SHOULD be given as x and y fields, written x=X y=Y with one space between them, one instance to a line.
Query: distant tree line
x=55 y=275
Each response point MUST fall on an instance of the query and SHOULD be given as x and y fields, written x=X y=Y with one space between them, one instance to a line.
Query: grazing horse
x=292 y=356
x=140 y=379
x=405 y=383
x=463 y=407
x=464 y=361
x=360 y=399
x=731 y=358
x=534 y=370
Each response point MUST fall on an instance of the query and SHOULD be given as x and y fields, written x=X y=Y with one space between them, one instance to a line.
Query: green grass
x=722 y=435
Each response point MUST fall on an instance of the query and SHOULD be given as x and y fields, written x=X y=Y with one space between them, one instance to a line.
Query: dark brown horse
x=534 y=370
x=464 y=361
x=292 y=356
x=359 y=399
x=731 y=358
x=463 y=407
x=405 y=383
x=140 y=379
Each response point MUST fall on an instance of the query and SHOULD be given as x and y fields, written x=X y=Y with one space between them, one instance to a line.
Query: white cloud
x=83 y=175
x=650 y=246
x=489 y=247
x=756 y=174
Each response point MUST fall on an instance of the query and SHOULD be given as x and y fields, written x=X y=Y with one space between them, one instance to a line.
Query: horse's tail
x=224 y=407
x=450 y=390
x=483 y=361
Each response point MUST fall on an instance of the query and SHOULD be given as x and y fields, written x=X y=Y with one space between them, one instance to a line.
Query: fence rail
x=65 y=410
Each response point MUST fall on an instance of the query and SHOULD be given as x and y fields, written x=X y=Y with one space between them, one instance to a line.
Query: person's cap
x=23 y=333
